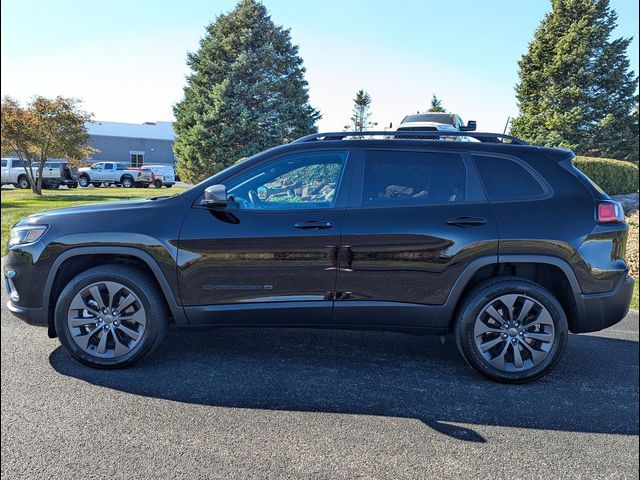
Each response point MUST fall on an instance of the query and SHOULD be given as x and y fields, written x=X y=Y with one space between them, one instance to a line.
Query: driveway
x=273 y=403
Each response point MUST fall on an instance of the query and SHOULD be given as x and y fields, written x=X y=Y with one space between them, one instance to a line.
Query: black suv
x=507 y=245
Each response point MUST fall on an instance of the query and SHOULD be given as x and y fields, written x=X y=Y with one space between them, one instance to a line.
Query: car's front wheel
x=83 y=181
x=111 y=316
x=511 y=330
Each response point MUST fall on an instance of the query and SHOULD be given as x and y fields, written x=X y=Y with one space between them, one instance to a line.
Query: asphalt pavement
x=310 y=404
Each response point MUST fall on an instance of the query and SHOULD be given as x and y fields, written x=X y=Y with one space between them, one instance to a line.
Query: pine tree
x=436 y=105
x=361 y=113
x=576 y=89
x=246 y=93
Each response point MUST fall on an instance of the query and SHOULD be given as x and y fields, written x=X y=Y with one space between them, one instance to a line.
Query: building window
x=137 y=159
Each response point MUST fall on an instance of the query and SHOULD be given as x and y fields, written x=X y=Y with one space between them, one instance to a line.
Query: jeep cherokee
x=508 y=246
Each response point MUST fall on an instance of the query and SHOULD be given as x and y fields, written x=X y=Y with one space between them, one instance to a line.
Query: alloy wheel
x=514 y=333
x=106 y=319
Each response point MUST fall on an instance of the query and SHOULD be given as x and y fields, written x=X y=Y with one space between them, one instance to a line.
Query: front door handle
x=467 y=221
x=313 y=225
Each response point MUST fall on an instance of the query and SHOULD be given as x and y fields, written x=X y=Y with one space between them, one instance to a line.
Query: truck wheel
x=511 y=330
x=72 y=185
x=23 y=182
x=127 y=182
x=157 y=184
x=169 y=185
x=96 y=184
x=83 y=181
x=111 y=316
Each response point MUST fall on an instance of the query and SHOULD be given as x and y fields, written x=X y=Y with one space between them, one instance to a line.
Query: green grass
x=17 y=204
x=634 y=299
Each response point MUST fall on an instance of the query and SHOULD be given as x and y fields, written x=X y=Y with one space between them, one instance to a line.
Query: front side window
x=413 y=178
x=307 y=180
x=505 y=179
x=98 y=166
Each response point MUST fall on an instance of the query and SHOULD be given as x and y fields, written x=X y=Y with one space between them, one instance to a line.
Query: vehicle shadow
x=594 y=389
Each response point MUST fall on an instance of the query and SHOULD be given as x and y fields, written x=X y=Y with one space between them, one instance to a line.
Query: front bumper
x=597 y=311
x=33 y=316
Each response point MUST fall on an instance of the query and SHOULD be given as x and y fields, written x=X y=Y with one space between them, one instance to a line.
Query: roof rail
x=414 y=135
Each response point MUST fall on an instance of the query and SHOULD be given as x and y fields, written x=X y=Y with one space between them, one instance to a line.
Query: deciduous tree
x=44 y=128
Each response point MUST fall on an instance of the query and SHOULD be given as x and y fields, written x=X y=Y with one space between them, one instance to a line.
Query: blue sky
x=126 y=59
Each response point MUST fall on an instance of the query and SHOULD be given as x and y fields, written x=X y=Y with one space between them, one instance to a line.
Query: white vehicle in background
x=55 y=174
x=164 y=175
x=107 y=173
x=435 y=122
x=13 y=173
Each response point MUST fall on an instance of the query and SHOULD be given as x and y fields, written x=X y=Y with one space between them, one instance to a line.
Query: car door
x=416 y=219
x=273 y=249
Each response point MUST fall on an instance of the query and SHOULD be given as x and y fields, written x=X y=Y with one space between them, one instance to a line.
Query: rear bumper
x=597 y=311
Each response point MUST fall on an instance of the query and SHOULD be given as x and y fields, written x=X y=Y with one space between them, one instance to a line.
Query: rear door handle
x=313 y=225
x=467 y=221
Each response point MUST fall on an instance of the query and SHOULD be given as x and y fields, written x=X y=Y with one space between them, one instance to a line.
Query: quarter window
x=505 y=179
x=307 y=180
x=413 y=178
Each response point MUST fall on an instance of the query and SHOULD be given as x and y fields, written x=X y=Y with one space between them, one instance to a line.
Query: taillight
x=609 y=212
x=139 y=174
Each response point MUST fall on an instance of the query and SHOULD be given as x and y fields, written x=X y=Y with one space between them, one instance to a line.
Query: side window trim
x=343 y=188
x=474 y=183
x=547 y=190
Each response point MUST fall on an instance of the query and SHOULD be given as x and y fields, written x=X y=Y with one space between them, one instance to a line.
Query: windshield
x=446 y=118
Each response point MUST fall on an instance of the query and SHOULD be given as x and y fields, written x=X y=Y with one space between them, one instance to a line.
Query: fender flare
x=177 y=311
x=445 y=315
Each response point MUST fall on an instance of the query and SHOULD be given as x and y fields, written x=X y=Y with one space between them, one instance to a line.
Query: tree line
x=247 y=92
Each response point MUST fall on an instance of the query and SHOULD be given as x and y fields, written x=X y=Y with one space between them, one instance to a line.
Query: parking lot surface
x=270 y=403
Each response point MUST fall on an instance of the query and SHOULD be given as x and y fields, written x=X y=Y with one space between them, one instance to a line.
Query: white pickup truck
x=107 y=173
x=13 y=173
x=435 y=122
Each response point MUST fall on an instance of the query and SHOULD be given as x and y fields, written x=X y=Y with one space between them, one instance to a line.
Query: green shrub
x=614 y=176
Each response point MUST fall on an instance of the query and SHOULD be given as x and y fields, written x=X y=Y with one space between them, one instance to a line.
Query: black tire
x=23 y=182
x=133 y=279
x=84 y=181
x=157 y=184
x=127 y=182
x=491 y=290
x=72 y=185
x=54 y=186
x=169 y=185
x=96 y=184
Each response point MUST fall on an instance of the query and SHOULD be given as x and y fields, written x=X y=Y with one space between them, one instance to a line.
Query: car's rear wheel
x=111 y=316
x=511 y=330
x=127 y=182
x=157 y=184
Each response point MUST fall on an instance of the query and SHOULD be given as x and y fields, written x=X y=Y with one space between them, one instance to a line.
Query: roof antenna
x=506 y=125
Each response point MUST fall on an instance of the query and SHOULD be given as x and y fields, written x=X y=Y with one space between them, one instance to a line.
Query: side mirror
x=215 y=197
x=471 y=126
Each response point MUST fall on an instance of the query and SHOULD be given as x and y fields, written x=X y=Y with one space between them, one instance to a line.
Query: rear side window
x=413 y=178
x=506 y=179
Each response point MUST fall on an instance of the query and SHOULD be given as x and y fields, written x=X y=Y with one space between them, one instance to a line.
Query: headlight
x=26 y=234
